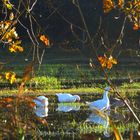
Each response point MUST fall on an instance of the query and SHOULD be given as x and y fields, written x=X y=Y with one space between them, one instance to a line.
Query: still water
x=21 y=119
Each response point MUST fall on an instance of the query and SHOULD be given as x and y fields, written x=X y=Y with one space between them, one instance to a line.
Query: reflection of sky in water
x=41 y=111
x=67 y=107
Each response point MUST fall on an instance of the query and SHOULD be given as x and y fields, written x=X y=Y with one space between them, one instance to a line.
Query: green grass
x=125 y=92
x=61 y=70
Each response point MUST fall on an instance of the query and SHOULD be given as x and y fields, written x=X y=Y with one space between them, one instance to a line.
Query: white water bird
x=66 y=97
x=41 y=101
x=102 y=104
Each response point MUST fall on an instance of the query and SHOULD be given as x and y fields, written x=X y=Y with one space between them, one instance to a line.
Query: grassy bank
x=126 y=90
x=70 y=72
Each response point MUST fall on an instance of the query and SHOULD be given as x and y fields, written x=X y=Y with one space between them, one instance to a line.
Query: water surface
x=21 y=119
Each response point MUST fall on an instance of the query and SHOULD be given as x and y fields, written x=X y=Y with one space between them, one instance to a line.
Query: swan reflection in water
x=41 y=111
x=41 y=108
x=67 y=107
x=100 y=118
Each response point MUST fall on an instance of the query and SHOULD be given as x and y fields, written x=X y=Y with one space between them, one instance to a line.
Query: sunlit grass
x=131 y=91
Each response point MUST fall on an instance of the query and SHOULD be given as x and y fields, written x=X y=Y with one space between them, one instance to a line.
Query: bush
x=45 y=82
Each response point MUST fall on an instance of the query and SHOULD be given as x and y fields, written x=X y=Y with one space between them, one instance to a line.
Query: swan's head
x=107 y=88
x=77 y=97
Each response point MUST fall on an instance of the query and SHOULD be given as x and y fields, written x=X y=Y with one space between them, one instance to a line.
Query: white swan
x=41 y=101
x=102 y=104
x=66 y=97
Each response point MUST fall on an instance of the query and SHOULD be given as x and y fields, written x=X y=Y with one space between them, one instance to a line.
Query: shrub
x=45 y=82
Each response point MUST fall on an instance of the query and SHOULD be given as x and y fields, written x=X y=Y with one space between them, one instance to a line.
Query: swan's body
x=66 y=97
x=41 y=101
x=102 y=104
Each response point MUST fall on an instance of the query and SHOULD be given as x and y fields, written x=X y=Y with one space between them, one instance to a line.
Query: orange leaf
x=135 y=26
x=8 y=99
x=1 y=76
x=44 y=39
x=103 y=61
x=8 y=75
x=108 y=5
x=107 y=62
x=32 y=104
x=120 y=3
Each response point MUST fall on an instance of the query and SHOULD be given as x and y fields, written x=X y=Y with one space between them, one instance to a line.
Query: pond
x=21 y=119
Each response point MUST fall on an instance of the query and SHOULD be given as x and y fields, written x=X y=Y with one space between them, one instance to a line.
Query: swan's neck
x=105 y=96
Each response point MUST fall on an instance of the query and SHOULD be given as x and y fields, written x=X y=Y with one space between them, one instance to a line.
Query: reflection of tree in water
x=17 y=119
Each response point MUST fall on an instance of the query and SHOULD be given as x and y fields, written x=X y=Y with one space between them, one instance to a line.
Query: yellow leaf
x=12 y=49
x=13 y=78
x=9 y=6
x=15 y=47
x=8 y=75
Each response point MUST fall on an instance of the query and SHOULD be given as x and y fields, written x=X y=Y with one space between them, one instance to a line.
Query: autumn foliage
x=107 y=62
x=44 y=39
x=10 y=76
x=131 y=8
